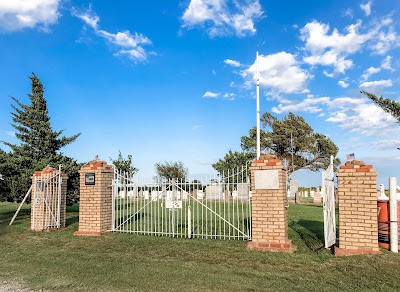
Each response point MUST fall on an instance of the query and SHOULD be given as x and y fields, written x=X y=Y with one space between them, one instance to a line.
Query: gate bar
x=20 y=206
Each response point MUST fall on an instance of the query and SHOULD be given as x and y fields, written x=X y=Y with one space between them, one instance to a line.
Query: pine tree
x=33 y=129
x=390 y=106
x=39 y=144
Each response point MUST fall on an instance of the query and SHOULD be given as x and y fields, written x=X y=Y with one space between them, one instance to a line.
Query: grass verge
x=58 y=261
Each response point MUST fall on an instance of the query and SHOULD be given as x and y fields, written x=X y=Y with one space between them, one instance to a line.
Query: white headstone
x=184 y=195
x=293 y=187
x=243 y=191
x=235 y=194
x=154 y=195
x=146 y=195
x=200 y=195
x=214 y=191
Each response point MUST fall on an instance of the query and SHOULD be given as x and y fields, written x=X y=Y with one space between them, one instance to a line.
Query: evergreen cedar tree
x=386 y=104
x=39 y=146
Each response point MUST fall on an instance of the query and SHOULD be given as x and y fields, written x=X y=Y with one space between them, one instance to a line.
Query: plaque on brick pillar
x=90 y=179
x=269 y=212
x=266 y=179
x=95 y=212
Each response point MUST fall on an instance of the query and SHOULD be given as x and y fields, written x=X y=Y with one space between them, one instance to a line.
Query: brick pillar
x=95 y=207
x=358 y=216
x=269 y=206
x=45 y=199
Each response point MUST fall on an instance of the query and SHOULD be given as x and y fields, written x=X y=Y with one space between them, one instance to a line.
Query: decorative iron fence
x=217 y=207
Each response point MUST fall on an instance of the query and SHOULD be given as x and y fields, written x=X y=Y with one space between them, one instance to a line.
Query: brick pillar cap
x=95 y=164
x=267 y=156
x=48 y=169
x=355 y=162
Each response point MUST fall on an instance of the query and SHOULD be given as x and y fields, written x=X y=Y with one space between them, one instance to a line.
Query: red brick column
x=95 y=207
x=45 y=199
x=358 y=217
x=269 y=206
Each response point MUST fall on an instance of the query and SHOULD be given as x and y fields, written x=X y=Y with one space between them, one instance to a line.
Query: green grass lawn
x=58 y=261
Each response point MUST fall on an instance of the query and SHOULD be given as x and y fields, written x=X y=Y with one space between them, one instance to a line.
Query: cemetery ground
x=59 y=261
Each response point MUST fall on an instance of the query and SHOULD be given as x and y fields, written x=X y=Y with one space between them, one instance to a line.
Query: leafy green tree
x=293 y=134
x=232 y=162
x=196 y=185
x=124 y=164
x=390 y=106
x=171 y=170
x=39 y=144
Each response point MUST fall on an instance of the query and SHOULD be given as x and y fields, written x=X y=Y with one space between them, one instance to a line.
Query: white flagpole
x=258 y=107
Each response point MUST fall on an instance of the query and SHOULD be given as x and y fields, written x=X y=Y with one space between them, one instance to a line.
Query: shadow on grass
x=316 y=227
x=310 y=232
x=71 y=220
x=10 y=213
x=311 y=205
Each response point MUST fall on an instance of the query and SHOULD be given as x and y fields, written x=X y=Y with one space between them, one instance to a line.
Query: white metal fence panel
x=216 y=207
x=46 y=202
x=328 y=189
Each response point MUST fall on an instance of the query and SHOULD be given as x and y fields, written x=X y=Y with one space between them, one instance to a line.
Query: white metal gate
x=218 y=207
x=46 y=201
x=328 y=190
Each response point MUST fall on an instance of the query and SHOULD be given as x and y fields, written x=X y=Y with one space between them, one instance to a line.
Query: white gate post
x=394 y=237
x=189 y=222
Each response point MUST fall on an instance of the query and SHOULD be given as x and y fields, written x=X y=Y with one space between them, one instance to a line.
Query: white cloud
x=223 y=17
x=210 y=94
x=124 y=39
x=374 y=86
x=217 y=95
x=345 y=102
x=10 y=133
x=214 y=72
x=386 y=144
x=386 y=63
x=330 y=75
x=309 y=104
x=360 y=115
x=337 y=117
x=280 y=72
x=367 y=73
x=343 y=84
x=385 y=41
x=196 y=127
x=233 y=63
x=88 y=17
x=136 y=55
x=19 y=14
x=331 y=49
x=366 y=8
x=383 y=36
x=127 y=44
x=229 y=96
x=348 y=12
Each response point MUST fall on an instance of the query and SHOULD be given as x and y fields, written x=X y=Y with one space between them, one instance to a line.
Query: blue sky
x=174 y=80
